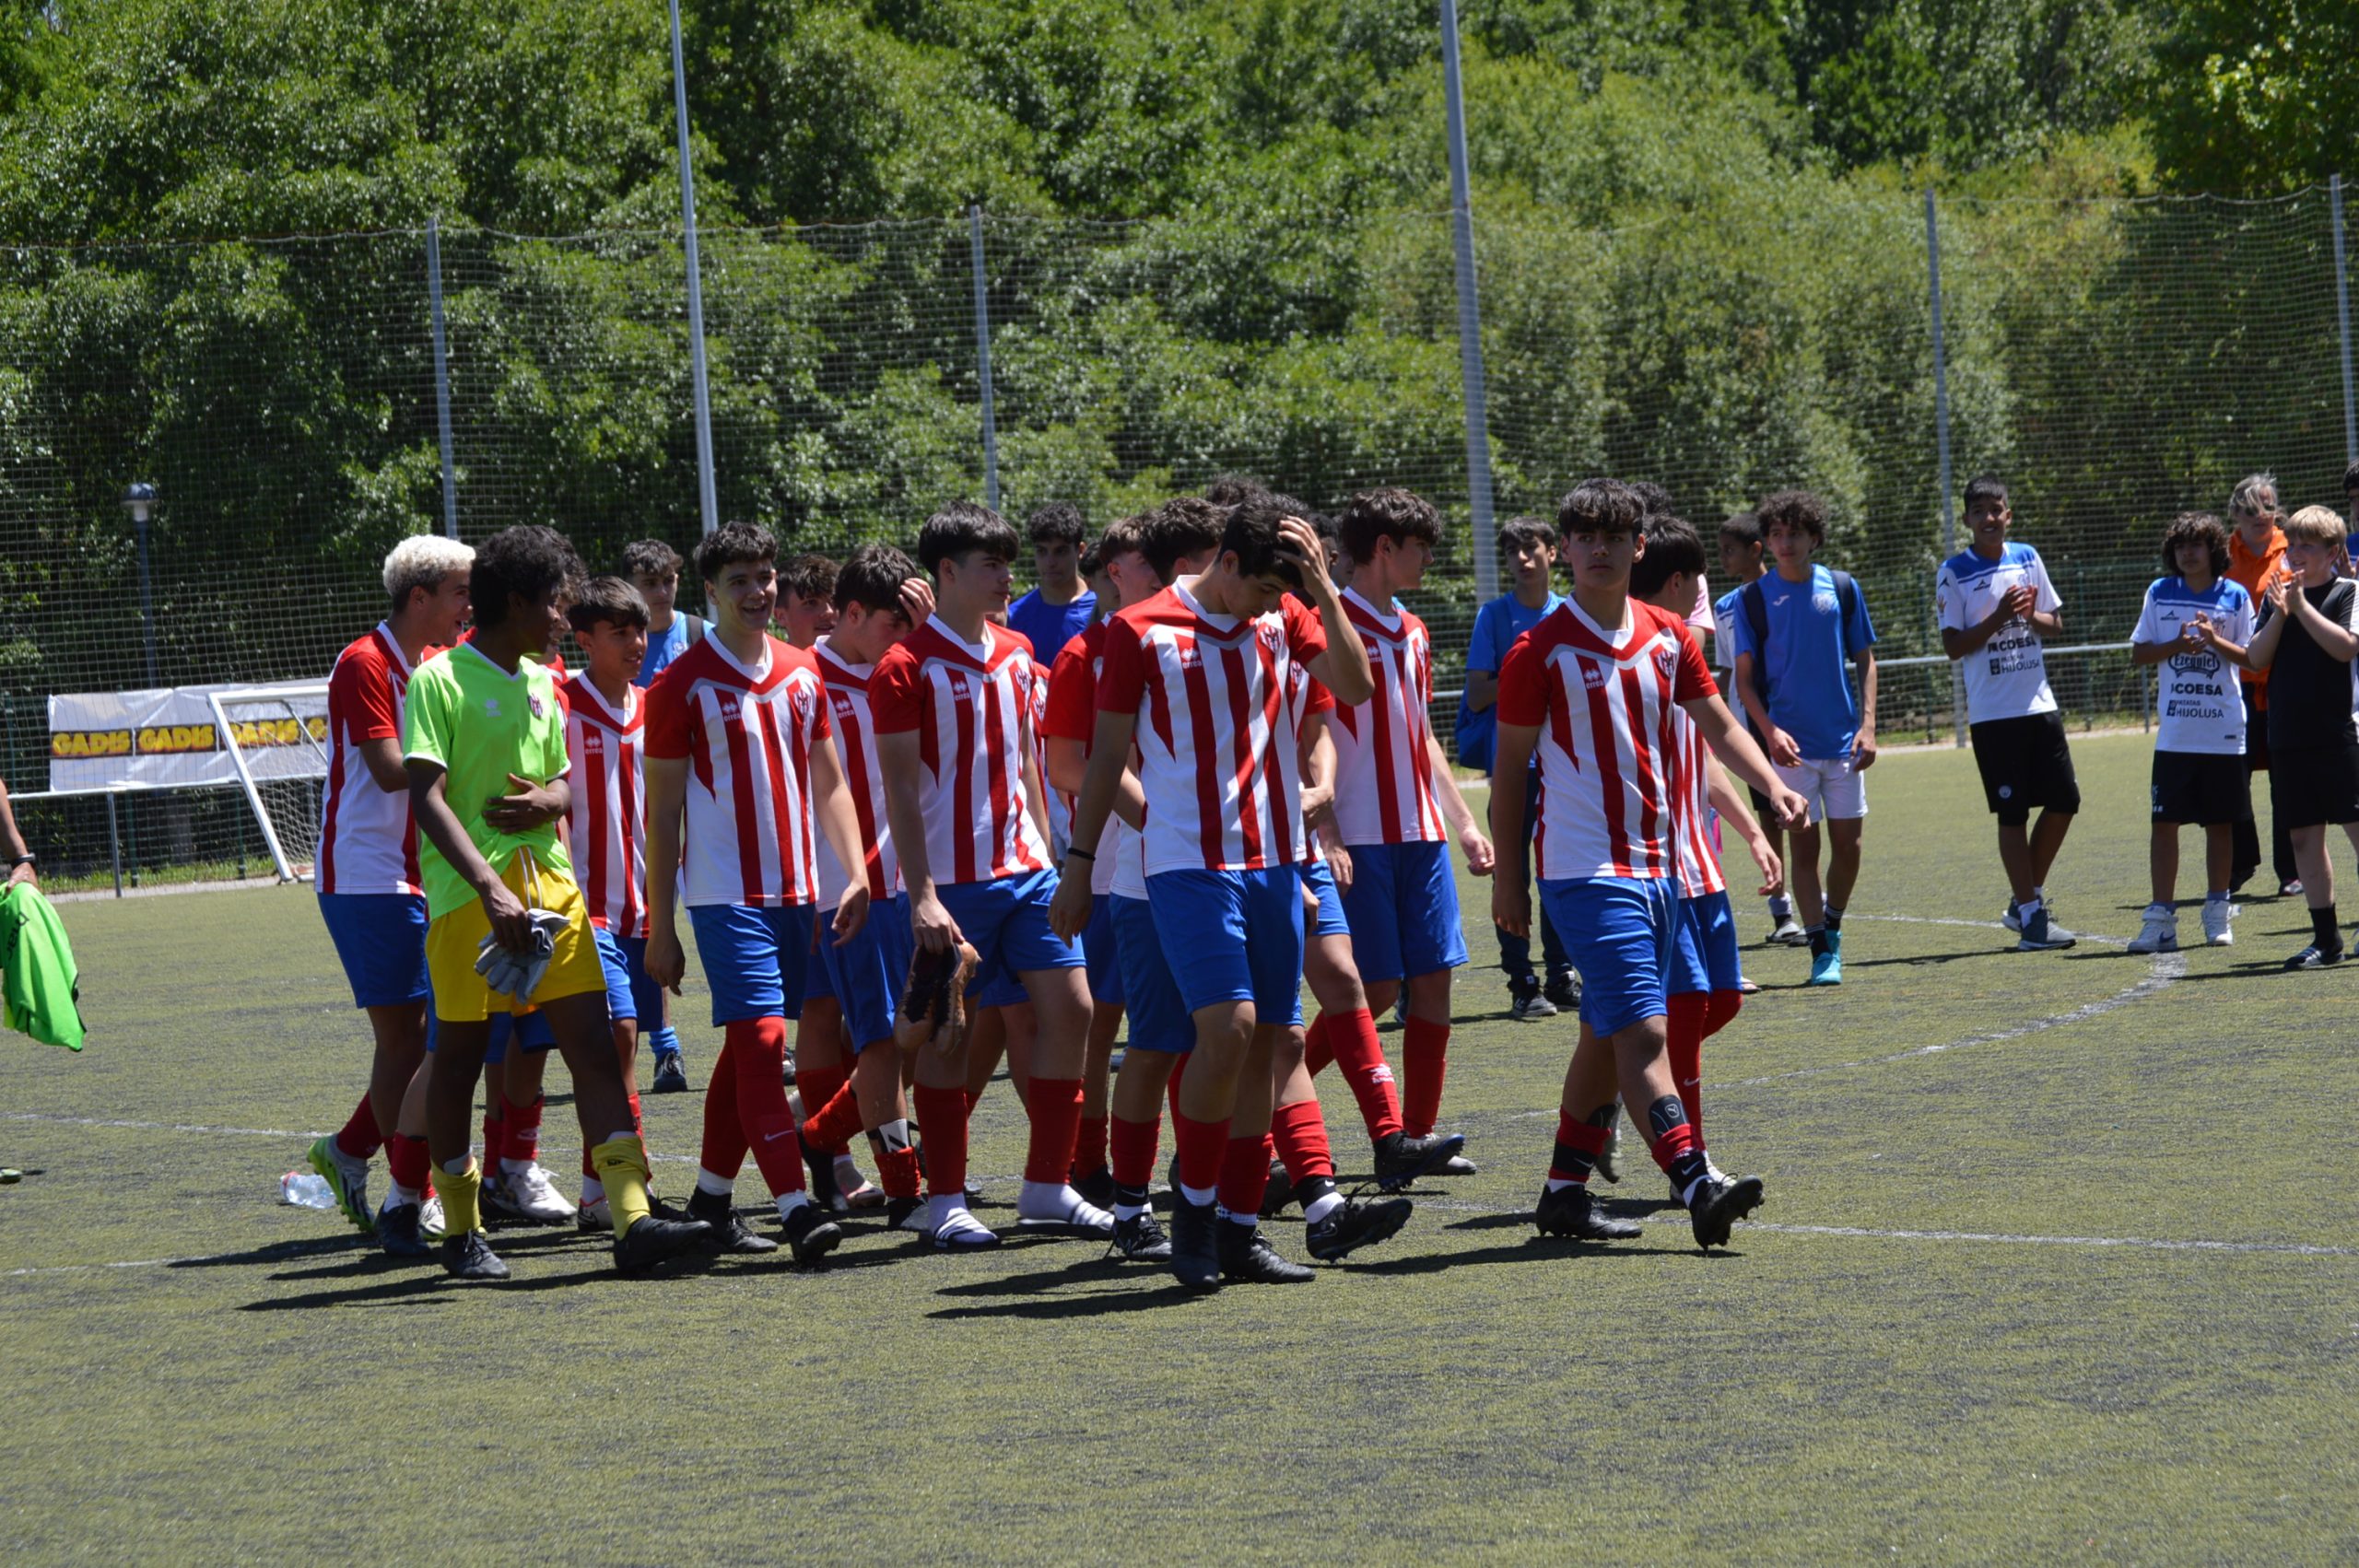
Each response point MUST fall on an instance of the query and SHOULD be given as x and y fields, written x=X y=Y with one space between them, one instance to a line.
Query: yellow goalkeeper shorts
x=454 y=942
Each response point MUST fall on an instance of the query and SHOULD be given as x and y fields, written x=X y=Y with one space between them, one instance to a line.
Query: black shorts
x=2200 y=788
x=2026 y=766
x=2312 y=788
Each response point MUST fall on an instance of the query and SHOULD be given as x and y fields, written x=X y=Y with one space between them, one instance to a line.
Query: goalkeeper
x=484 y=739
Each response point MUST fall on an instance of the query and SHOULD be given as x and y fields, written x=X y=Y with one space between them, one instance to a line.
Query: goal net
x=276 y=739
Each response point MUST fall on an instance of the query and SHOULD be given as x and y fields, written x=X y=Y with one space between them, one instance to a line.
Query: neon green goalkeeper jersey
x=482 y=724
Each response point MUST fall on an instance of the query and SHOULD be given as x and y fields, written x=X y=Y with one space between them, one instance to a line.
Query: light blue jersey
x=1810 y=644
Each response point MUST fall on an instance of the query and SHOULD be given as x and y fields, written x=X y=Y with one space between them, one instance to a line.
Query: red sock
x=897 y=1173
x=974 y=1099
x=359 y=1137
x=1425 y=1053
x=1720 y=1010
x=1134 y=1150
x=1685 y=1051
x=832 y=1111
x=759 y=1045
x=638 y=1122
x=1356 y=1049
x=1245 y=1174
x=1171 y=1086
x=1300 y=1130
x=1674 y=1145
x=1203 y=1145
x=1089 y=1148
x=523 y=1131
x=407 y=1159
x=589 y=1171
x=1318 y=1047
x=495 y=1130
x=724 y=1135
x=1579 y=1143
x=942 y=1116
x=1055 y=1108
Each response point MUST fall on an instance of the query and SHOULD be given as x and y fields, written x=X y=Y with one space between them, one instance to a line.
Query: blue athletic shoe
x=1827 y=969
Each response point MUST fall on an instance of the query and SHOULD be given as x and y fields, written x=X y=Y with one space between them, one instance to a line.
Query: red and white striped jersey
x=1699 y=855
x=1309 y=700
x=848 y=712
x=368 y=841
x=1071 y=715
x=1384 y=770
x=747 y=734
x=1609 y=766
x=1060 y=804
x=606 y=828
x=1217 y=731
x=972 y=710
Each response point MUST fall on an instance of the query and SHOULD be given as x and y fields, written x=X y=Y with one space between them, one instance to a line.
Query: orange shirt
x=2252 y=569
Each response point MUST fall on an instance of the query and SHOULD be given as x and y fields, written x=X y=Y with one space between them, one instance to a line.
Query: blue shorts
x=629 y=992
x=381 y=938
x=532 y=1033
x=1622 y=934
x=1329 y=919
x=1233 y=936
x=1098 y=945
x=1158 y=1020
x=1005 y=920
x=753 y=960
x=1705 y=957
x=866 y=974
x=1402 y=907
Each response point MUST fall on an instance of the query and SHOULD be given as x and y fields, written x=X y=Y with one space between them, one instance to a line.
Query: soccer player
x=2308 y=634
x=1054 y=612
x=653 y=568
x=366 y=870
x=2194 y=626
x=484 y=739
x=1795 y=629
x=807 y=587
x=1741 y=552
x=850 y=1069
x=737 y=734
x=954 y=735
x=1995 y=605
x=2256 y=556
x=1528 y=544
x=1592 y=688
x=1397 y=799
x=1198 y=677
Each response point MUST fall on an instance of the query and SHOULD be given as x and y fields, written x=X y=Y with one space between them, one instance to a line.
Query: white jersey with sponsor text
x=2006 y=677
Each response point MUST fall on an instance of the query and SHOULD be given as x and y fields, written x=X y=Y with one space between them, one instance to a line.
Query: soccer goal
x=277 y=738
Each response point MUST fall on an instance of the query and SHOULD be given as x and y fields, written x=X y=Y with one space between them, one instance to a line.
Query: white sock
x=592 y=1191
x=1558 y=1184
x=397 y=1196
x=458 y=1167
x=1199 y=1195
x=788 y=1202
x=1249 y=1221
x=511 y=1167
x=1128 y=1211
x=719 y=1187
x=1321 y=1206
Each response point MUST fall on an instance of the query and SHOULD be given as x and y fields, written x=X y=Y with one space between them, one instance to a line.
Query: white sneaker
x=2217 y=913
x=594 y=1216
x=429 y=1218
x=2160 y=933
x=2010 y=920
x=529 y=1195
x=1057 y=1204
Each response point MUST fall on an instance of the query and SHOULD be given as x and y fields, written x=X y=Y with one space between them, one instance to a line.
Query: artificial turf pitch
x=2060 y=1260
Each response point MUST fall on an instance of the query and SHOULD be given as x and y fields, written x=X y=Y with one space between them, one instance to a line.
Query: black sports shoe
x=1401 y=1159
x=810 y=1233
x=788 y=1074
x=1140 y=1240
x=469 y=1256
x=724 y=1231
x=653 y=1241
x=1279 y=1193
x=1572 y=1212
x=898 y=1209
x=1097 y=1189
x=1196 y=1257
x=2315 y=957
x=1247 y=1257
x=670 y=1075
x=1718 y=1204
x=1354 y=1226
x=825 y=1192
x=398 y=1231
x=1564 y=989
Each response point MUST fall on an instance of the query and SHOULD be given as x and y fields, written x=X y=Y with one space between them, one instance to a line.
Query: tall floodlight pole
x=983 y=356
x=1941 y=439
x=1470 y=319
x=706 y=497
x=2342 y=318
x=442 y=374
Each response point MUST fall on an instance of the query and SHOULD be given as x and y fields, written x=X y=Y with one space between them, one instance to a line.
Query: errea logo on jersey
x=1592 y=676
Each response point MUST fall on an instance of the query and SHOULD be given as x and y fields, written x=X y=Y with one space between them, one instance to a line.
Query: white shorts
x=1831 y=785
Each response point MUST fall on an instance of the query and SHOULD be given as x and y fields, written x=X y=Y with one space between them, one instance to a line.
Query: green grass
x=1467 y=1392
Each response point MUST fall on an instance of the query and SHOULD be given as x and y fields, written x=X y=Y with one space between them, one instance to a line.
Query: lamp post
x=140 y=502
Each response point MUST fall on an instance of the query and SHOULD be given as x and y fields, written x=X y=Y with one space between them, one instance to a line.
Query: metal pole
x=1470 y=319
x=146 y=603
x=2342 y=318
x=983 y=357
x=114 y=844
x=708 y=499
x=1942 y=441
x=442 y=374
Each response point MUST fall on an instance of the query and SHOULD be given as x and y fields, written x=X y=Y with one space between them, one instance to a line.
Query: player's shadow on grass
x=284 y=1252
x=1036 y=1296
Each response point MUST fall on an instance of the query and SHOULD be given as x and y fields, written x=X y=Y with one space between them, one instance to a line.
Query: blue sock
x=665 y=1040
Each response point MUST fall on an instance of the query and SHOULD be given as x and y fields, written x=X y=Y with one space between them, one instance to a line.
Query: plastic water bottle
x=306 y=1189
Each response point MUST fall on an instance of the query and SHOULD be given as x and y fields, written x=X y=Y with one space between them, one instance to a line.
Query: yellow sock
x=459 y=1212
x=621 y=1164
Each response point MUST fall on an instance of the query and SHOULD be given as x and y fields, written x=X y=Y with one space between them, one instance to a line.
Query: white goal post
x=275 y=734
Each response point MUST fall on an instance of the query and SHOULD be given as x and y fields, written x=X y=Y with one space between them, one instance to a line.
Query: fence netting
x=2115 y=361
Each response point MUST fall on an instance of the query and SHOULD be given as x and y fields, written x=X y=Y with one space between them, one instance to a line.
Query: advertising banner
x=169 y=738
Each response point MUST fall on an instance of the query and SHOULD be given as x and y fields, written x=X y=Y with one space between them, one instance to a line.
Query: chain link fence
x=2116 y=361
